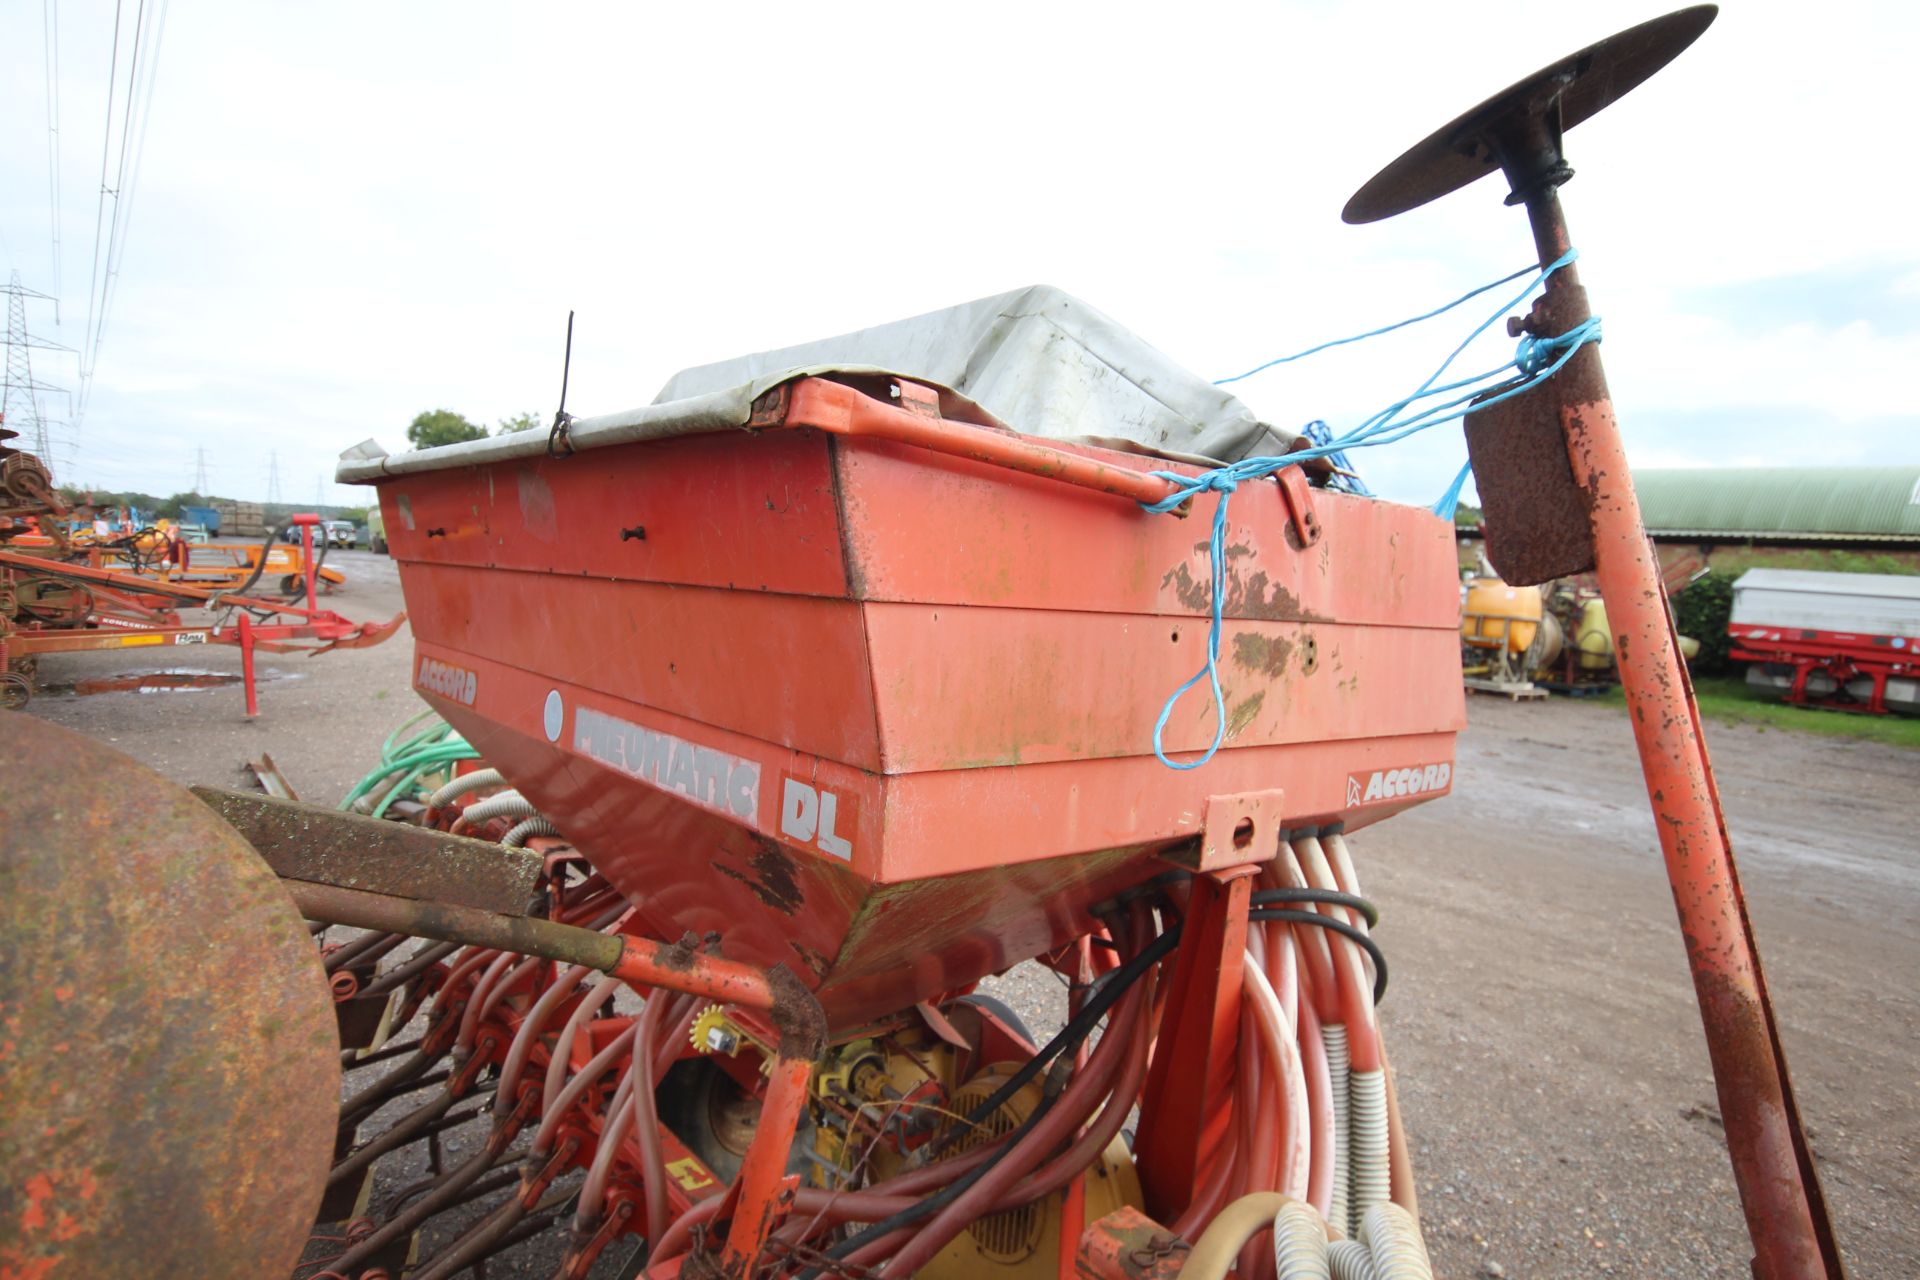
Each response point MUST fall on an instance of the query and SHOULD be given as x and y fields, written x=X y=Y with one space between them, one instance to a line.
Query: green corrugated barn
x=1843 y=507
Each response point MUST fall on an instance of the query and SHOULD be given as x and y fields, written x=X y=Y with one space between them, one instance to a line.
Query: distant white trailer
x=1847 y=640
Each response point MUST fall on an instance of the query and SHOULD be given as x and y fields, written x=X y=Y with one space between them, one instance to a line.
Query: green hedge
x=1702 y=610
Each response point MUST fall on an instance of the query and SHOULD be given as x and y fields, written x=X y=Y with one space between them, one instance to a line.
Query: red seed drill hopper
x=857 y=689
x=808 y=696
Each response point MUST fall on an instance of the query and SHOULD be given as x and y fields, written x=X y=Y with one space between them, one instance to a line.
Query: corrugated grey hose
x=1351 y=1261
x=1299 y=1243
x=534 y=826
x=1393 y=1238
x=463 y=784
x=508 y=804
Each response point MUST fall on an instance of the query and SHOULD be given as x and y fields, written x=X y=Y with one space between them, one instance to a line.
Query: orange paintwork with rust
x=884 y=714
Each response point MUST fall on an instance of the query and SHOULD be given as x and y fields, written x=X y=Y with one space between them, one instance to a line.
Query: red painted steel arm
x=763 y=1187
x=639 y=962
x=842 y=411
x=1186 y=1108
x=646 y=963
x=1779 y=1186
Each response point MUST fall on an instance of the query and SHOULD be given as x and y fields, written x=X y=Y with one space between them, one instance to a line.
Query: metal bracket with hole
x=1235 y=831
x=1298 y=495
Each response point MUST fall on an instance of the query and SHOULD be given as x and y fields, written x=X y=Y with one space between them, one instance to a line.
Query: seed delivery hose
x=1310 y=1179
x=404 y=762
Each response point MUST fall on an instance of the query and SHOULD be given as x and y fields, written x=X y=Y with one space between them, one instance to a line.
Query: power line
x=130 y=178
x=100 y=209
x=50 y=38
x=119 y=187
x=200 y=471
x=110 y=234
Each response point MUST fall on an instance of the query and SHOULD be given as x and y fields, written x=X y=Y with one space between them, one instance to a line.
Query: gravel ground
x=1541 y=1018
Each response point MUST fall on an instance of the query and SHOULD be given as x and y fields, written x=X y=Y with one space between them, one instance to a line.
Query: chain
x=808 y=1256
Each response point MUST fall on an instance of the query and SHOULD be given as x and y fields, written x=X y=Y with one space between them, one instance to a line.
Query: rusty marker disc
x=1584 y=83
x=169 y=1069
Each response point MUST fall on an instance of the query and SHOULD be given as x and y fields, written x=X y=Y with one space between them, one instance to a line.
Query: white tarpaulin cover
x=1037 y=360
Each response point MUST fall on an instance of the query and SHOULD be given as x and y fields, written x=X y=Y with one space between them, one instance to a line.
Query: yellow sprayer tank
x=1594 y=639
x=1495 y=615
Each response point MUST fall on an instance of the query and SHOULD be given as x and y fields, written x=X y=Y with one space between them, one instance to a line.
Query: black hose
x=1332 y=897
x=319 y=562
x=260 y=564
x=1341 y=927
x=941 y=1198
x=1105 y=993
x=130 y=544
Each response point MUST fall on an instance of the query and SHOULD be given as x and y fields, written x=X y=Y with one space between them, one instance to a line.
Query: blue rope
x=1536 y=360
x=1345 y=477
x=1450 y=500
x=1374 y=333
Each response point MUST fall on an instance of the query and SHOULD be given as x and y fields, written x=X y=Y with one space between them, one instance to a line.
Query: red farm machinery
x=49 y=603
x=1845 y=641
x=803 y=700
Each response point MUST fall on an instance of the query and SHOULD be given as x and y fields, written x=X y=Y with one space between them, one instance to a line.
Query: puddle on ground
x=171 y=680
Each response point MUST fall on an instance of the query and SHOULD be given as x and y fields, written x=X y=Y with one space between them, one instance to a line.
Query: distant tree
x=518 y=422
x=147 y=504
x=442 y=426
x=353 y=515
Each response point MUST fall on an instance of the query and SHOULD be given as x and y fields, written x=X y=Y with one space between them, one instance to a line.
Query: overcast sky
x=348 y=213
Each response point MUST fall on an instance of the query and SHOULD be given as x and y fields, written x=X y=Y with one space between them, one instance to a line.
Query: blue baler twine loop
x=1535 y=359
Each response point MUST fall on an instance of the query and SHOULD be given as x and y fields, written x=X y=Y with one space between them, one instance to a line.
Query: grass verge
x=1731 y=700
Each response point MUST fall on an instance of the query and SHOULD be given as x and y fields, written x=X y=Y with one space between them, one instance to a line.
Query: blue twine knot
x=1535 y=355
x=1535 y=359
x=1220 y=480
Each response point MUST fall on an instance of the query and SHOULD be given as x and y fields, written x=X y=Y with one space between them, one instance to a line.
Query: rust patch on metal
x=817 y=961
x=1243 y=713
x=1537 y=523
x=165 y=1029
x=1128 y=1245
x=852 y=566
x=779 y=887
x=1266 y=655
x=734 y=873
x=797 y=1016
x=680 y=956
x=1252 y=595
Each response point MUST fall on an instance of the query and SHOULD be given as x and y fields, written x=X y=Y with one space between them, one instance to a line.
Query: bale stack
x=241 y=519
